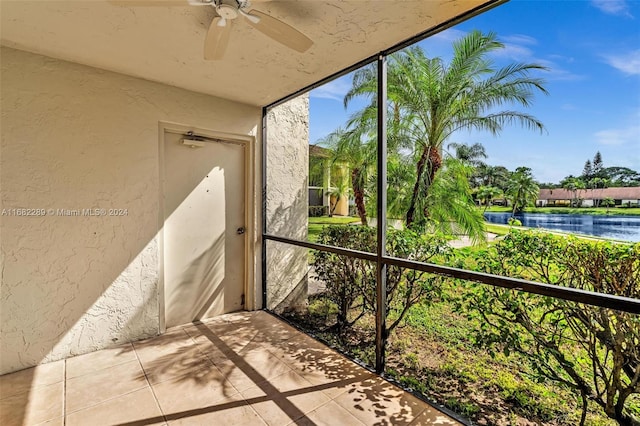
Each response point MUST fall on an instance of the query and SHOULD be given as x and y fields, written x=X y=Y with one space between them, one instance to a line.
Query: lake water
x=625 y=228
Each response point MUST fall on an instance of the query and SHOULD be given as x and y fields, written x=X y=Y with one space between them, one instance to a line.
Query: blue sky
x=592 y=50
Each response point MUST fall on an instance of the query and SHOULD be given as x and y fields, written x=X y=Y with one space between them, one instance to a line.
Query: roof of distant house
x=624 y=193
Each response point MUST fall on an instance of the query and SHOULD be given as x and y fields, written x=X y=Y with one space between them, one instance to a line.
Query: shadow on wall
x=287 y=201
x=201 y=284
x=287 y=265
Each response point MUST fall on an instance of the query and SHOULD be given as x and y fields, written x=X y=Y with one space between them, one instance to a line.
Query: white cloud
x=335 y=89
x=519 y=53
x=557 y=73
x=514 y=52
x=626 y=135
x=519 y=39
x=613 y=7
x=628 y=63
x=517 y=48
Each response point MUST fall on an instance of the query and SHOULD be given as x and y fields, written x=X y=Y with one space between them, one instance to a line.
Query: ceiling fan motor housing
x=227 y=12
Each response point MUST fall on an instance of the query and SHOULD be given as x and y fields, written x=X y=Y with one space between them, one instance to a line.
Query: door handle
x=240 y=230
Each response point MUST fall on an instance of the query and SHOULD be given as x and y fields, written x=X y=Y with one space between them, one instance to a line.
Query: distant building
x=321 y=202
x=590 y=197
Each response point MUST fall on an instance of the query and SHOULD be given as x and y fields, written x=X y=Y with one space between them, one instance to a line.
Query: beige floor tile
x=265 y=363
x=375 y=400
x=329 y=414
x=228 y=412
x=213 y=350
x=162 y=347
x=186 y=362
x=333 y=387
x=234 y=336
x=238 y=369
x=324 y=367
x=255 y=367
x=432 y=417
x=95 y=361
x=53 y=422
x=272 y=329
x=284 y=398
x=85 y=391
x=189 y=393
x=31 y=378
x=135 y=408
x=35 y=406
x=304 y=352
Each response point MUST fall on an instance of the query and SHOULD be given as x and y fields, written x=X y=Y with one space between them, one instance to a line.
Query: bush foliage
x=351 y=282
x=595 y=351
x=592 y=351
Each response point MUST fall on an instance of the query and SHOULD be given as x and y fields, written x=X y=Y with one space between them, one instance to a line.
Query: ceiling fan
x=217 y=39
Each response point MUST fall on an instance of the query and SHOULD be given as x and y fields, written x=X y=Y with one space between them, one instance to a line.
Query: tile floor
x=244 y=368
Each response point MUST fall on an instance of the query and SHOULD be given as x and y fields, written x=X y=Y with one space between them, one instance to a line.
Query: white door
x=204 y=220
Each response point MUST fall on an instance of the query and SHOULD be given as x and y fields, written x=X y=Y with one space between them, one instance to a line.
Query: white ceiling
x=165 y=44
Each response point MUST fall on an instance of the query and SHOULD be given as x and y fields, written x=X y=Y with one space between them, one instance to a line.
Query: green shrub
x=594 y=351
x=347 y=278
x=514 y=222
x=351 y=282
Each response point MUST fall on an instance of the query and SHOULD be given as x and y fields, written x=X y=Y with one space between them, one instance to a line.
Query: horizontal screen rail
x=603 y=300
x=323 y=247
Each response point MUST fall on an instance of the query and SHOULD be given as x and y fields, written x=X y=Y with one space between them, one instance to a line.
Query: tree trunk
x=583 y=416
x=621 y=417
x=358 y=195
x=432 y=155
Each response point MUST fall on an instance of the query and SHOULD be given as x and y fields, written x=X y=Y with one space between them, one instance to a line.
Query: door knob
x=240 y=230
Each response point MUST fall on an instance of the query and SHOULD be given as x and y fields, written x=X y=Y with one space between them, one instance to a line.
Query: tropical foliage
x=429 y=101
x=347 y=146
x=351 y=282
x=591 y=350
x=522 y=189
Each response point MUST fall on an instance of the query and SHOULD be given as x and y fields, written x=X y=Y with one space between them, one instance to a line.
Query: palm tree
x=486 y=194
x=337 y=192
x=450 y=204
x=350 y=147
x=608 y=202
x=472 y=154
x=574 y=185
x=430 y=100
x=522 y=189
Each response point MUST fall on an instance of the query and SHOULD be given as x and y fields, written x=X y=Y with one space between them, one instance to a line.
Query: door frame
x=248 y=143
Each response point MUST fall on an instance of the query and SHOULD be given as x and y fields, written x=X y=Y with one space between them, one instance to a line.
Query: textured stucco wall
x=75 y=137
x=287 y=201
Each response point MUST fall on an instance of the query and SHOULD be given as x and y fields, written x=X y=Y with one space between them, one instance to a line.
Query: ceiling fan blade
x=215 y=44
x=167 y=3
x=281 y=32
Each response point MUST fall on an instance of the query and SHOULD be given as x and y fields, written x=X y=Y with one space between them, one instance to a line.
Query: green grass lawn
x=633 y=211
x=317 y=223
x=497 y=229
